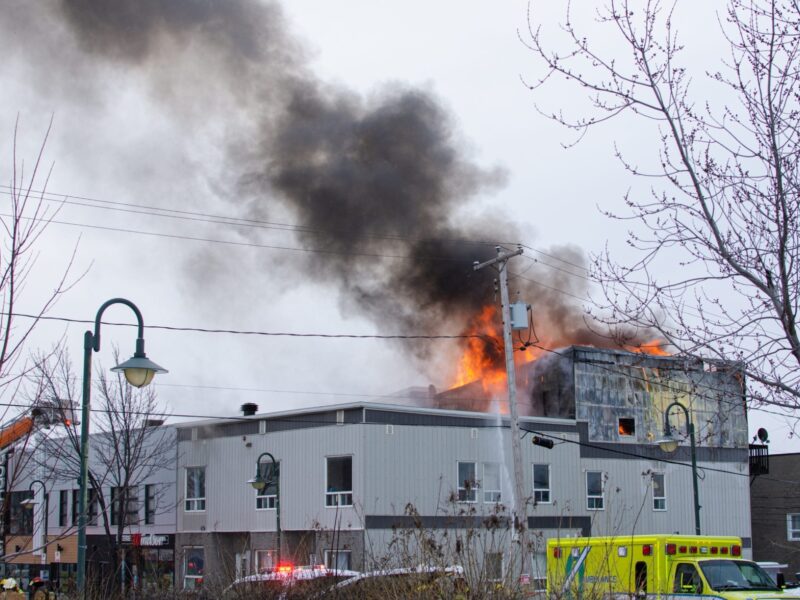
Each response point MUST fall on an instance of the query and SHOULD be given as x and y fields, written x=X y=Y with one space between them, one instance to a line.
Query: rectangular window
x=75 y=501
x=467 y=482
x=339 y=481
x=594 y=490
x=793 y=526
x=115 y=498
x=125 y=504
x=265 y=561
x=149 y=504
x=195 y=489
x=20 y=520
x=193 y=564
x=337 y=559
x=627 y=427
x=491 y=482
x=494 y=566
x=541 y=484
x=63 y=507
x=659 y=492
x=93 y=507
x=267 y=499
x=132 y=506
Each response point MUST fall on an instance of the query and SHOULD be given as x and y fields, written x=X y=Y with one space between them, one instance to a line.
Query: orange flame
x=655 y=347
x=478 y=362
x=483 y=359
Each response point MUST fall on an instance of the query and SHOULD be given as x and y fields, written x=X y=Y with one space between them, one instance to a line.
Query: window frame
x=185 y=567
x=330 y=554
x=592 y=499
x=625 y=432
x=493 y=556
x=63 y=508
x=337 y=498
x=792 y=533
x=194 y=503
x=150 y=503
x=75 y=497
x=548 y=490
x=270 y=554
x=469 y=487
x=92 y=506
x=113 y=507
x=660 y=506
x=492 y=495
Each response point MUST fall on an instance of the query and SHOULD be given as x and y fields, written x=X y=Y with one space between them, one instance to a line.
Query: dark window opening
x=63 y=507
x=627 y=426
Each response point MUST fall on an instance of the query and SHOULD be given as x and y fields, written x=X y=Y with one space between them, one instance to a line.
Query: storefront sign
x=146 y=539
x=154 y=540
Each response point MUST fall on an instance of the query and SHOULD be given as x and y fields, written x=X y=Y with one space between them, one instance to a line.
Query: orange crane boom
x=16 y=430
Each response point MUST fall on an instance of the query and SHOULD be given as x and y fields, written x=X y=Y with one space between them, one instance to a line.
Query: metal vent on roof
x=389 y=429
x=473 y=433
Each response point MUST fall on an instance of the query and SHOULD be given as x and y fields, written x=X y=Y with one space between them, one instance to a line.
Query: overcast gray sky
x=185 y=109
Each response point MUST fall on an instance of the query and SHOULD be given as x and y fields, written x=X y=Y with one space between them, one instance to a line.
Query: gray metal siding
x=231 y=462
x=398 y=466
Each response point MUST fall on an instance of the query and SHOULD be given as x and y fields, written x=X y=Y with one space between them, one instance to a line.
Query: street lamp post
x=40 y=540
x=669 y=443
x=259 y=483
x=139 y=372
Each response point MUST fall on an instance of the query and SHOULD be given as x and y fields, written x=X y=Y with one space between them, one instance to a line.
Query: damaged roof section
x=623 y=395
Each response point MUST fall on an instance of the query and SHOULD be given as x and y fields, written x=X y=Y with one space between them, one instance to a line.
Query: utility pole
x=519 y=504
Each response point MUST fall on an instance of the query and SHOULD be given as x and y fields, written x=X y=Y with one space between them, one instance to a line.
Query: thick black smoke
x=378 y=186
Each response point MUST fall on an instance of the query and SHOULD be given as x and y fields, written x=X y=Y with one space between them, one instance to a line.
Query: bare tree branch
x=727 y=209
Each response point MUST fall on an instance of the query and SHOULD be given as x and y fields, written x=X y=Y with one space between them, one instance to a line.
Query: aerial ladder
x=41 y=415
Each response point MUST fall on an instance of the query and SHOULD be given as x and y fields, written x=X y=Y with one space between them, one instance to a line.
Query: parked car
x=415 y=582
x=777 y=573
x=288 y=582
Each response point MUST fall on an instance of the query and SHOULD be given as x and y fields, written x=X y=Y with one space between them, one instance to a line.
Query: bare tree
x=25 y=218
x=26 y=214
x=128 y=449
x=723 y=206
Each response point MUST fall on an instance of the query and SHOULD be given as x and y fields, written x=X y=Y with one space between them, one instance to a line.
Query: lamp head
x=258 y=482
x=668 y=443
x=139 y=370
x=29 y=503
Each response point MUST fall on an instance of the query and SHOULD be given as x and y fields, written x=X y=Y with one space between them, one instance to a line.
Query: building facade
x=359 y=482
x=41 y=537
x=775 y=501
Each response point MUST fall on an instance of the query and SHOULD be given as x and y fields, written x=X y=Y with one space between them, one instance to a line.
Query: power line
x=129 y=207
x=255 y=223
x=487 y=338
x=237 y=221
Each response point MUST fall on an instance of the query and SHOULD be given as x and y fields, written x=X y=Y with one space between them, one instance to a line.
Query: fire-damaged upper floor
x=623 y=396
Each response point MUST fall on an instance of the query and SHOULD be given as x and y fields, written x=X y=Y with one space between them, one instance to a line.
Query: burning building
x=357 y=480
x=619 y=394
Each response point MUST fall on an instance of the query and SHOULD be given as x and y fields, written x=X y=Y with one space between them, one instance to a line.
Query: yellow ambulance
x=643 y=566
